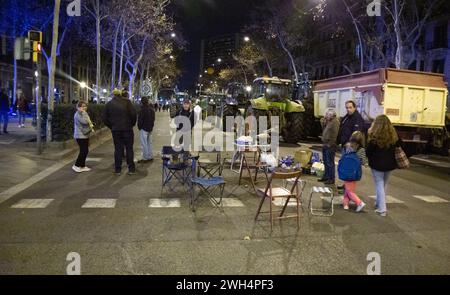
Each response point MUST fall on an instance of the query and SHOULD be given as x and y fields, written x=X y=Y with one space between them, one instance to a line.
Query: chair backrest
x=168 y=150
x=286 y=175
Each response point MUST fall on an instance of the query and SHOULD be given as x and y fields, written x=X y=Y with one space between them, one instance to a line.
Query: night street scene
x=224 y=138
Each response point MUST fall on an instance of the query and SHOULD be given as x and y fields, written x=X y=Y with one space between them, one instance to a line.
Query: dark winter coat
x=382 y=159
x=119 y=114
x=189 y=114
x=4 y=102
x=146 y=118
x=350 y=124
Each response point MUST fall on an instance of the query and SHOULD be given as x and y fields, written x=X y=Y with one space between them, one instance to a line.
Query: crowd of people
x=120 y=117
x=379 y=153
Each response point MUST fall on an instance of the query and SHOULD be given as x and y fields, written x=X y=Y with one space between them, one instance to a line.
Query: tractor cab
x=273 y=89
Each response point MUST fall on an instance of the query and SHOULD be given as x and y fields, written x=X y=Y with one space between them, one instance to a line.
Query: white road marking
x=164 y=203
x=99 y=203
x=390 y=200
x=9 y=193
x=431 y=199
x=32 y=204
x=94 y=159
x=231 y=202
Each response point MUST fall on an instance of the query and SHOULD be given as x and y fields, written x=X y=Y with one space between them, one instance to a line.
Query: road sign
x=22 y=48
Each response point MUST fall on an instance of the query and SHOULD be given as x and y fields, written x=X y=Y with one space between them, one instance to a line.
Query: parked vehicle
x=414 y=101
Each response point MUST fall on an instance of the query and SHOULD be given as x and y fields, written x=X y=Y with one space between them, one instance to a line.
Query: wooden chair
x=272 y=193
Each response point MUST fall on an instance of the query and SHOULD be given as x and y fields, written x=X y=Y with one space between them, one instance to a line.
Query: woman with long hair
x=383 y=140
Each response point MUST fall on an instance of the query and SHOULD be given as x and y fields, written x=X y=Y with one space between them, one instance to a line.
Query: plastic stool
x=325 y=192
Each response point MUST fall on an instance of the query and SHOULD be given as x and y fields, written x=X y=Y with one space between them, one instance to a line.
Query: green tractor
x=273 y=97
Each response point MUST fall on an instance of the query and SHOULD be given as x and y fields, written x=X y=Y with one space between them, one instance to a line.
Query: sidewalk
x=16 y=134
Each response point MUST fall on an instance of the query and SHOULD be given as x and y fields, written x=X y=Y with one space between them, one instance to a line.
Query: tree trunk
x=70 y=74
x=291 y=58
x=114 y=57
x=398 y=52
x=51 y=92
x=98 y=88
x=122 y=44
x=361 y=48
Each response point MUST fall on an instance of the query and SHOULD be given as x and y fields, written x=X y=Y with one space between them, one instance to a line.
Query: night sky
x=199 y=19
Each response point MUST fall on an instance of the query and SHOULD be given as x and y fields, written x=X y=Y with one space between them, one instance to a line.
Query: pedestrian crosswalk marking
x=32 y=204
x=430 y=199
x=99 y=203
x=164 y=203
x=390 y=200
x=231 y=202
x=93 y=159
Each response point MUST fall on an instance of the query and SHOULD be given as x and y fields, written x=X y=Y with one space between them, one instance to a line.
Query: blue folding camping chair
x=175 y=166
x=207 y=185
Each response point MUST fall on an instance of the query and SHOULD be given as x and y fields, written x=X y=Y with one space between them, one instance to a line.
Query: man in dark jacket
x=185 y=116
x=120 y=116
x=4 y=110
x=146 y=121
x=352 y=122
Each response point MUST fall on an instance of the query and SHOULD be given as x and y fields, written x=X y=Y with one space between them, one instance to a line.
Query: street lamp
x=248 y=88
x=246 y=38
x=36 y=74
x=83 y=85
x=219 y=60
x=173 y=35
x=172 y=57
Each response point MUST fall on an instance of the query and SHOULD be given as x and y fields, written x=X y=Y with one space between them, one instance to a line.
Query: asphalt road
x=123 y=235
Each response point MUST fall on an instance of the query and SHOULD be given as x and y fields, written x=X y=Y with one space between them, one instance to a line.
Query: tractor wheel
x=257 y=114
x=296 y=127
x=228 y=111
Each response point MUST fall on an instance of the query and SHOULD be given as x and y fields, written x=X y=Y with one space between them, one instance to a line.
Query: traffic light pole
x=38 y=107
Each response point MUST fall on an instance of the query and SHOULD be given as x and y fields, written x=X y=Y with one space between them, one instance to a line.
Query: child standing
x=356 y=145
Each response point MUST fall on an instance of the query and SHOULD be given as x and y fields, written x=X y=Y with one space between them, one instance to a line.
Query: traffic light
x=37 y=49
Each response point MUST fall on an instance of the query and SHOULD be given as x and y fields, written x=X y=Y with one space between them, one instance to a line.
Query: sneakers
x=360 y=207
x=329 y=182
x=79 y=170
x=346 y=207
x=76 y=169
x=132 y=172
x=322 y=180
x=383 y=214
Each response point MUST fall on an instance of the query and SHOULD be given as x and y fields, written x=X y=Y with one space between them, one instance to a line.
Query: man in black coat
x=120 y=116
x=185 y=116
x=352 y=122
x=146 y=121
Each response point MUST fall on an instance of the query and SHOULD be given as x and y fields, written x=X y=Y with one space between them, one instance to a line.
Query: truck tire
x=297 y=127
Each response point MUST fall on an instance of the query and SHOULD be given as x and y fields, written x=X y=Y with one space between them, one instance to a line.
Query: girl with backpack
x=351 y=151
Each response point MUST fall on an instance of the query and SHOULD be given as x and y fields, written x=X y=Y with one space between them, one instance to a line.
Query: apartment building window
x=438 y=66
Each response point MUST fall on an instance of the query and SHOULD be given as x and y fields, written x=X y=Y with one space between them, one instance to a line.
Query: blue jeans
x=381 y=179
x=146 y=144
x=22 y=117
x=328 y=154
x=4 y=119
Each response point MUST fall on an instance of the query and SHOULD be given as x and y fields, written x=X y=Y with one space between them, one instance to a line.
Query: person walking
x=330 y=132
x=383 y=140
x=22 y=107
x=355 y=145
x=120 y=116
x=351 y=122
x=146 y=121
x=83 y=128
x=4 y=110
